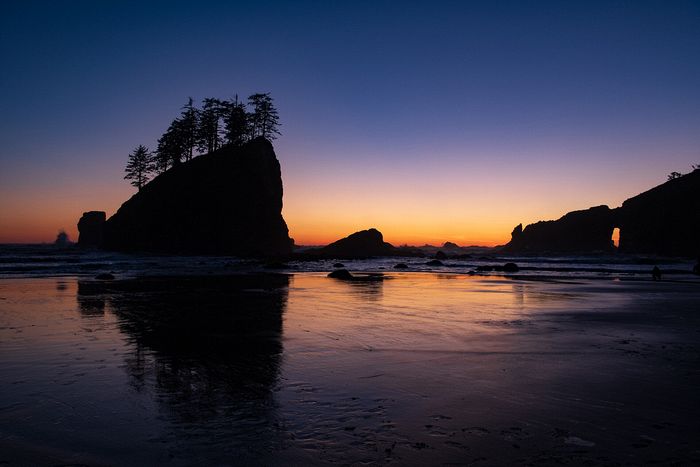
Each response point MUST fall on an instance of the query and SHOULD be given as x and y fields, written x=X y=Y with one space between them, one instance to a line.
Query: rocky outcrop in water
x=662 y=221
x=226 y=202
x=362 y=244
x=577 y=231
x=91 y=229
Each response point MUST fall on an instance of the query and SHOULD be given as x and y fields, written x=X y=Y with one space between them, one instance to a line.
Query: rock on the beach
x=510 y=267
x=440 y=255
x=343 y=274
x=400 y=266
x=435 y=262
x=338 y=265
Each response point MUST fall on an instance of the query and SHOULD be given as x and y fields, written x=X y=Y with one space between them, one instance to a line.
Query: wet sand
x=417 y=369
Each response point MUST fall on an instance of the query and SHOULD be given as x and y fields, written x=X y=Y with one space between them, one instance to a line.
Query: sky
x=431 y=121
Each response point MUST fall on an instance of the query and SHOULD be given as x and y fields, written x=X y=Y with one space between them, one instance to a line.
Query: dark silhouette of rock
x=440 y=255
x=105 y=276
x=517 y=232
x=342 y=274
x=338 y=265
x=435 y=262
x=656 y=273
x=400 y=266
x=510 y=267
x=363 y=244
x=226 y=202
x=485 y=268
x=345 y=275
x=696 y=268
x=450 y=246
x=662 y=221
x=577 y=231
x=91 y=229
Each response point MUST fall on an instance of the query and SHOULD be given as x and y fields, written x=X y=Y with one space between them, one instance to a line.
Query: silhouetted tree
x=208 y=131
x=263 y=120
x=218 y=122
x=235 y=121
x=187 y=128
x=139 y=166
x=172 y=146
x=674 y=175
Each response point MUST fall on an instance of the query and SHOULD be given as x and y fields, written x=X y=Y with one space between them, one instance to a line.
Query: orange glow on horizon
x=409 y=205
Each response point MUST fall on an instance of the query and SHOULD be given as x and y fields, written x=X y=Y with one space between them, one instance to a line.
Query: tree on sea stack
x=235 y=122
x=188 y=124
x=264 y=120
x=208 y=131
x=139 y=166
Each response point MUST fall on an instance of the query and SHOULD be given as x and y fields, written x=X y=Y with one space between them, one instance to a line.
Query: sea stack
x=91 y=229
x=362 y=244
x=228 y=202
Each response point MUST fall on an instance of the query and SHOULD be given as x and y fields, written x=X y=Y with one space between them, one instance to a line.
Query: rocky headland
x=662 y=221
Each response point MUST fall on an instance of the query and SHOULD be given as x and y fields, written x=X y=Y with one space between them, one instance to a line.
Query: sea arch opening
x=615 y=238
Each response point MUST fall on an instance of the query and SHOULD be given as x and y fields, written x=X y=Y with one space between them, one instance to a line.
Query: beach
x=290 y=369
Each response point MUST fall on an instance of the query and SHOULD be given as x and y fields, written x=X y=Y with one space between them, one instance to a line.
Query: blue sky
x=391 y=110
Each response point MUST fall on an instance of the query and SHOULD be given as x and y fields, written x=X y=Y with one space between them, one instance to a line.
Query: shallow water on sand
x=413 y=369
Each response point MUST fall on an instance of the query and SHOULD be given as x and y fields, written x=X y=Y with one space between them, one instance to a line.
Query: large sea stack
x=228 y=202
x=662 y=221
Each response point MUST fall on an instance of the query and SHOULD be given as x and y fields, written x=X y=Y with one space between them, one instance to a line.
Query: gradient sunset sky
x=431 y=121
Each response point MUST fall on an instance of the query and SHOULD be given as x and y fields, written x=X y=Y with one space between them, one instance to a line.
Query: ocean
x=49 y=260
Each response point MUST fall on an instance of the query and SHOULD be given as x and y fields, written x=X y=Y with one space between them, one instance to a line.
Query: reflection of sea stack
x=227 y=202
x=664 y=220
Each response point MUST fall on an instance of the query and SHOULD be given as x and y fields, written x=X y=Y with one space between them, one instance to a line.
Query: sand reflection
x=210 y=349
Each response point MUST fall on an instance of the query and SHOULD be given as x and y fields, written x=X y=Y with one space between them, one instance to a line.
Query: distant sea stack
x=362 y=244
x=662 y=221
x=228 y=202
